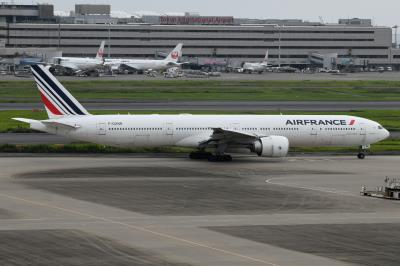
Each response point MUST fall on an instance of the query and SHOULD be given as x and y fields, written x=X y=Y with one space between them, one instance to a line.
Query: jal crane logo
x=175 y=55
x=100 y=53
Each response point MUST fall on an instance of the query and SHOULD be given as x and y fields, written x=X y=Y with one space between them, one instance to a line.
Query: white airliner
x=256 y=67
x=148 y=64
x=81 y=64
x=265 y=135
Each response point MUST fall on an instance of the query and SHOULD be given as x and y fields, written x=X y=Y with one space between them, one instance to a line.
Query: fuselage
x=77 y=63
x=189 y=130
x=141 y=64
x=255 y=66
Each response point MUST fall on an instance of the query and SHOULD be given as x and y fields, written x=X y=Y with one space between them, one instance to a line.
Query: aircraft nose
x=386 y=134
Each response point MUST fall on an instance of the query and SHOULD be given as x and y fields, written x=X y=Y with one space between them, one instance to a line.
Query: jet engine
x=272 y=146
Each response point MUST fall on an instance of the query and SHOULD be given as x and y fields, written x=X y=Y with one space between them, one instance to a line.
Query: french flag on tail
x=57 y=100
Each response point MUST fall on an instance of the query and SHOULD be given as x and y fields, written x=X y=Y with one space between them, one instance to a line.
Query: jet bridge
x=327 y=61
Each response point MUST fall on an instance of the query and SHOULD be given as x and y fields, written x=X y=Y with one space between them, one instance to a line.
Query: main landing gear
x=220 y=158
x=202 y=155
x=199 y=155
x=361 y=153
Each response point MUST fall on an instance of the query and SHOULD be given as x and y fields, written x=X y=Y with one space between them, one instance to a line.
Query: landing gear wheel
x=199 y=155
x=227 y=158
x=212 y=158
x=219 y=158
x=361 y=155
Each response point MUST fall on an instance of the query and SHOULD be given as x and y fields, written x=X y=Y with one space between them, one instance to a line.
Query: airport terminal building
x=212 y=40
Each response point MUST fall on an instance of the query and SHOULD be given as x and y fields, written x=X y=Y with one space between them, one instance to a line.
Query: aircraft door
x=314 y=131
x=363 y=131
x=314 y=138
x=169 y=129
x=101 y=129
x=235 y=126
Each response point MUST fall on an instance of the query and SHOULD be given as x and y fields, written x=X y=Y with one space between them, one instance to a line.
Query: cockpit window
x=380 y=127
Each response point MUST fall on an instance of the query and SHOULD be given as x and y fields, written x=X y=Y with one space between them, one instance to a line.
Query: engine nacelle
x=272 y=146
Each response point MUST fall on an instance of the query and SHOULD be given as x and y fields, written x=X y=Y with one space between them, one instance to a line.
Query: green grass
x=9 y=125
x=390 y=119
x=201 y=90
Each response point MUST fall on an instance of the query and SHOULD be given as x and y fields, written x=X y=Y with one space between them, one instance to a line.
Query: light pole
x=395 y=35
x=279 y=45
x=109 y=40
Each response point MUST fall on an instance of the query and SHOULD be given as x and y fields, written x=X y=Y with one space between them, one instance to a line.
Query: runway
x=218 y=105
x=173 y=211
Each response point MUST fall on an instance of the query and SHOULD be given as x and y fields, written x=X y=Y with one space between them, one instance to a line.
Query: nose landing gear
x=362 y=150
x=361 y=155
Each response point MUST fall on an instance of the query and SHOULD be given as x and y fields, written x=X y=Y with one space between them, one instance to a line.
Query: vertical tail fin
x=100 y=52
x=56 y=99
x=175 y=54
x=266 y=58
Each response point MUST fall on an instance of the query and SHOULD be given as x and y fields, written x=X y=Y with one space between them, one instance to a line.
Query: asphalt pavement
x=110 y=210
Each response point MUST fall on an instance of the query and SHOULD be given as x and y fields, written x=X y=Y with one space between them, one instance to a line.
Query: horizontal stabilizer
x=58 y=123
x=25 y=120
x=47 y=122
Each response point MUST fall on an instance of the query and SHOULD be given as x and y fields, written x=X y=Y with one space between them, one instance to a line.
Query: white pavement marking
x=138 y=228
x=320 y=189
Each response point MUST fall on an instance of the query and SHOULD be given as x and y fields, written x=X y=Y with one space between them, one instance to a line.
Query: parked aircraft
x=264 y=135
x=148 y=64
x=76 y=65
x=256 y=67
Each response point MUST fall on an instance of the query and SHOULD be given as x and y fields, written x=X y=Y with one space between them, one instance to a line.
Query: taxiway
x=172 y=211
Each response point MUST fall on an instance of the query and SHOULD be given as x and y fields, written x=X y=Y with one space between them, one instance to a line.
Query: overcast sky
x=383 y=12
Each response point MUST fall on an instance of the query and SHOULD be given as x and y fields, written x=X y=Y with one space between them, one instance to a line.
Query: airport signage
x=190 y=20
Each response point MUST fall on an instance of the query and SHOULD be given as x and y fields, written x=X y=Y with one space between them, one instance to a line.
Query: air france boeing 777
x=265 y=135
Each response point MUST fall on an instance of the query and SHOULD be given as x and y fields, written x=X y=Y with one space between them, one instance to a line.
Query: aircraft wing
x=71 y=66
x=177 y=64
x=172 y=64
x=220 y=136
x=228 y=136
x=131 y=66
x=183 y=63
